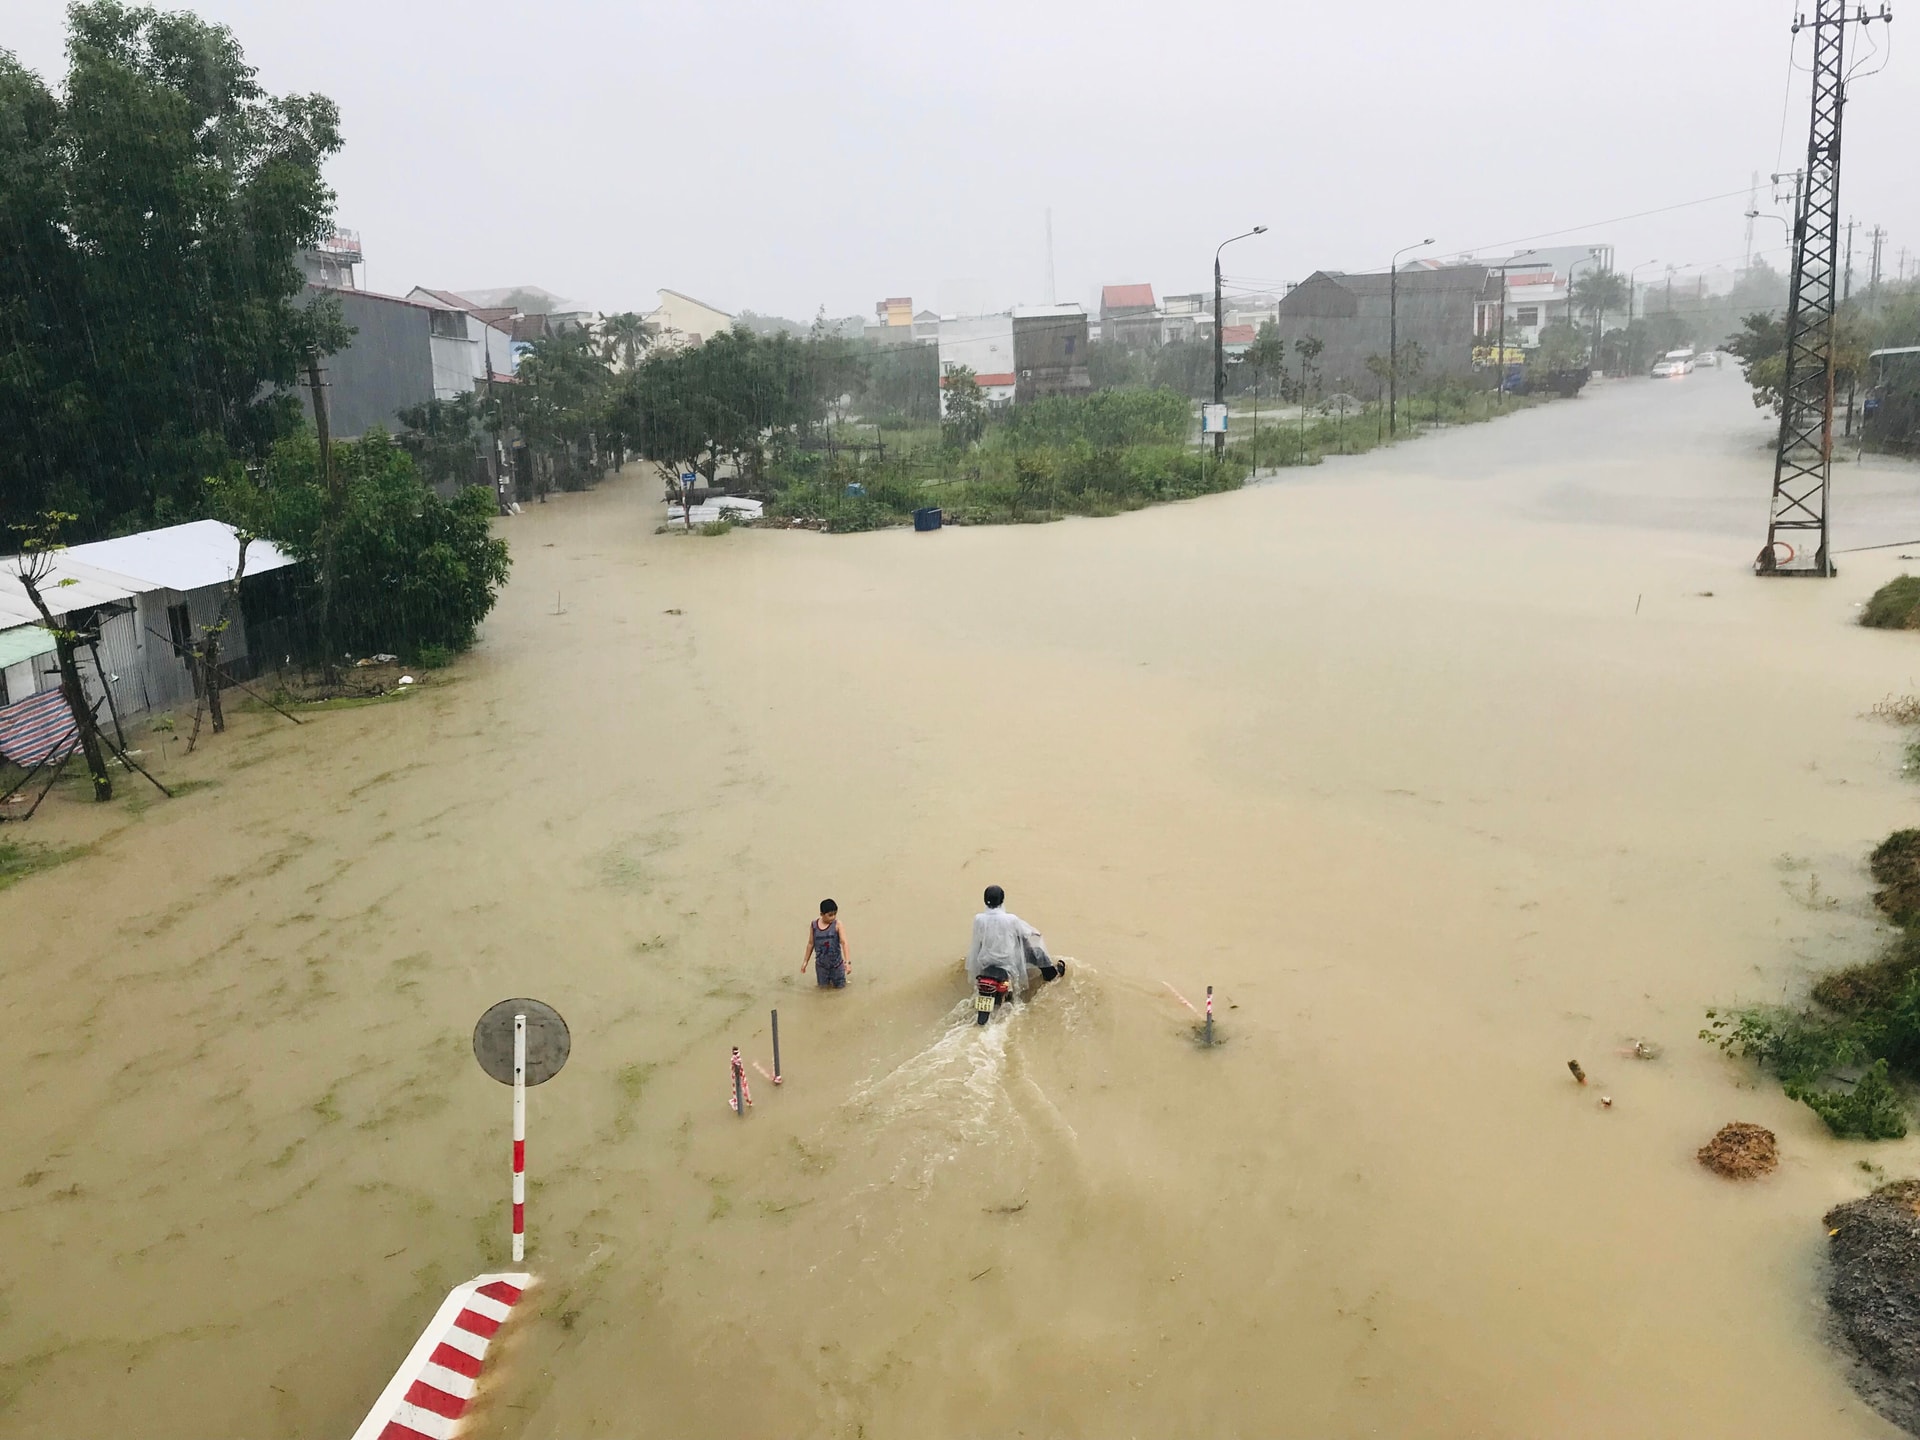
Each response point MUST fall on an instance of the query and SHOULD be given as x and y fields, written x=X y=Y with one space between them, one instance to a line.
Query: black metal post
x=776 y=1047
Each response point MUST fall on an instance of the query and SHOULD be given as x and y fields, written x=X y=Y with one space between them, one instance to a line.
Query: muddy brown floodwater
x=1438 y=764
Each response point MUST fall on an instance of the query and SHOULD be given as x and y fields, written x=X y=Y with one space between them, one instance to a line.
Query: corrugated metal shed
x=180 y=557
x=70 y=585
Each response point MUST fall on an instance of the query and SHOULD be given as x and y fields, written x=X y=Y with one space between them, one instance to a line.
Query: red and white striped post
x=519 y=1138
x=1209 y=1014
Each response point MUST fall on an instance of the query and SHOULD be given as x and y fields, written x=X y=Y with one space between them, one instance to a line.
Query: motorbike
x=993 y=987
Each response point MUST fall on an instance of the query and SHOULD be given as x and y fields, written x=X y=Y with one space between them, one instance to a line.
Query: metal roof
x=1894 y=350
x=180 y=557
x=68 y=585
x=24 y=642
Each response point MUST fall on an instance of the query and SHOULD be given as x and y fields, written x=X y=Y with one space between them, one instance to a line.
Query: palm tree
x=624 y=339
x=1595 y=293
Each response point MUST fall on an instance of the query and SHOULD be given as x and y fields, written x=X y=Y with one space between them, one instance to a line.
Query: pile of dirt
x=1873 y=1291
x=1740 y=1151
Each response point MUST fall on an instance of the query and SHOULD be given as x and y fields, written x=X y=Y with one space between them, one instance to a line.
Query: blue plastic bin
x=928 y=517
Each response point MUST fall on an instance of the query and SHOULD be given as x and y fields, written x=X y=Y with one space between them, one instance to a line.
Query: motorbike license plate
x=983 y=1002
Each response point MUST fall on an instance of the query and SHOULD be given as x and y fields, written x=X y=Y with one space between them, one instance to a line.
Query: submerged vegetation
x=21 y=858
x=1841 y=1053
x=1097 y=454
x=1895 y=605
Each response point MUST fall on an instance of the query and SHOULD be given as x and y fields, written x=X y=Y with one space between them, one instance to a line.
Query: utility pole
x=1878 y=236
x=1393 y=335
x=1220 y=339
x=1753 y=205
x=1500 y=353
x=1803 y=458
x=1846 y=287
x=330 y=479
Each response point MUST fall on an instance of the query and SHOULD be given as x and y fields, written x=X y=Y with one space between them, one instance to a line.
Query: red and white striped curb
x=430 y=1392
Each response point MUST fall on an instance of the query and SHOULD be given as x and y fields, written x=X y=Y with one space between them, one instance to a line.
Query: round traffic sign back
x=548 y=1041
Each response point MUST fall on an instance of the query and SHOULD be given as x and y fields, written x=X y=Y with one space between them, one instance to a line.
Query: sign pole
x=519 y=1138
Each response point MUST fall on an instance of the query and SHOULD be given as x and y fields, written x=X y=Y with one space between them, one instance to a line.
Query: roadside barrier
x=429 y=1394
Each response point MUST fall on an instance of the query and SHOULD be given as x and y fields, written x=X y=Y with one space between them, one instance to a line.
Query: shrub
x=1895 y=863
x=1870 y=1111
x=1895 y=605
x=1105 y=419
x=433 y=657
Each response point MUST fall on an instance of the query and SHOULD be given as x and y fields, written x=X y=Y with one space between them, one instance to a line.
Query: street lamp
x=1393 y=334
x=1219 y=337
x=1630 y=294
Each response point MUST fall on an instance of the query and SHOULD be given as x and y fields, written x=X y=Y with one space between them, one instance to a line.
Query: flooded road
x=1443 y=765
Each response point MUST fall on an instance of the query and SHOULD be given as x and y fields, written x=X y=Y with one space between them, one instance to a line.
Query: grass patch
x=1845 y=1053
x=21 y=858
x=711 y=528
x=1895 y=605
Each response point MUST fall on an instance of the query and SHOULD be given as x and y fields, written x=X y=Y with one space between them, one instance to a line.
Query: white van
x=1674 y=362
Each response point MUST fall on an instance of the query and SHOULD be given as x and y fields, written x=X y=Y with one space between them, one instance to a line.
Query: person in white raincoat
x=1003 y=939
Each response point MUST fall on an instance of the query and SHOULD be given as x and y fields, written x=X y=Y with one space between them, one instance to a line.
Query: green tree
x=1268 y=353
x=446 y=438
x=564 y=391
x=836 y=370
x=1761 y=348
x=412 y=571
x=706 y=406
x=1560 y=348
x=966 y=417
x=149 y=319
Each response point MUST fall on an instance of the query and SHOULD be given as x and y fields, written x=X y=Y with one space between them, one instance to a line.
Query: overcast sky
x=779 y=157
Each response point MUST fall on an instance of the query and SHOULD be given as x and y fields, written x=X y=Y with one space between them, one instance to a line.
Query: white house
x=1538 y=285
x=682 y=320
x=469 y=342
x=145 y=598
x=984 y=345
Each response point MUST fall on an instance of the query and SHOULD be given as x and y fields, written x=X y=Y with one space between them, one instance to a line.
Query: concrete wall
x=1050 y=355
x=1350 y=314
x=387 y=367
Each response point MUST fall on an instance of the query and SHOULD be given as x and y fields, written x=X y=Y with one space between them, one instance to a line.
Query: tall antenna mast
x=1051 y=297
x=1803 y=458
